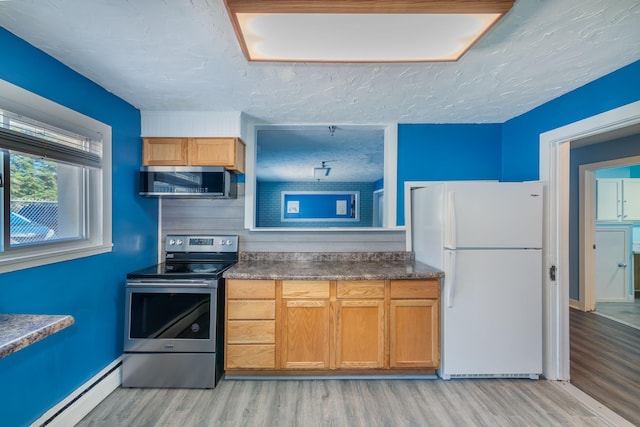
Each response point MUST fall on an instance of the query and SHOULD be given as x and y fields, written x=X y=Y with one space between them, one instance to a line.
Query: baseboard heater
x=84 y=399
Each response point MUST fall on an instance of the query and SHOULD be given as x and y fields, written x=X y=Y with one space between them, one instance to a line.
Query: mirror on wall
x=319 y=163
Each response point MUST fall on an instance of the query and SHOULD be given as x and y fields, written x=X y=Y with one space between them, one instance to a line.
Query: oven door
x=170 y=319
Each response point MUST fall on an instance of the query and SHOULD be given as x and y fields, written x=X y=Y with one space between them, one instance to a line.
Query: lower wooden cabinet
x=250 y=324
x=332 y=325
x=414 y=324
x=360 y=327
x=414 y=334
x=250 y=357
x=305 y=334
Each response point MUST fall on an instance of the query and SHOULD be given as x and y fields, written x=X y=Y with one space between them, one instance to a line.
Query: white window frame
x=21 y=101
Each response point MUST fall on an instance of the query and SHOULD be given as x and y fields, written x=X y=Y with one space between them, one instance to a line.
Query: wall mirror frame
x=250 y=133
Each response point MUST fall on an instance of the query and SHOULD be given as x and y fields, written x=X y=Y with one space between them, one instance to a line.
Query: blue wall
x=521 y=135
x=269 y=203
x=90 y=289
x=440 y=152
x=621 y=172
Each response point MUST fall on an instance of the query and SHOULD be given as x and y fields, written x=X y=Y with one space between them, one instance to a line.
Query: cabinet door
x=414 y=334
x=305 y=334
x=631 y=200
x=360 y=334
x=609 y=199
x=164 y=151
x=227 y=152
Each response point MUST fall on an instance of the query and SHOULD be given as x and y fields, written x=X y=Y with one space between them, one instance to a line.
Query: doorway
x=597 y=217
x=554 y=168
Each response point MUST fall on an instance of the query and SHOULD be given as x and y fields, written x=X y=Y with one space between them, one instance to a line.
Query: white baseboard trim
x=80 y=402
x=574 y=303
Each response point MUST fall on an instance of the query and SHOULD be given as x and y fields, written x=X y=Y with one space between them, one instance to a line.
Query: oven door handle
x=172 y=283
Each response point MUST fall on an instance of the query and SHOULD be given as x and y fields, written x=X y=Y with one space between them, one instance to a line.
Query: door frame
x=587 y=214
x=554 y=151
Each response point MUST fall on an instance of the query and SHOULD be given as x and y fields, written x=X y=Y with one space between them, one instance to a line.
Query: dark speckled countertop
x=330 y=266
x=18 y=331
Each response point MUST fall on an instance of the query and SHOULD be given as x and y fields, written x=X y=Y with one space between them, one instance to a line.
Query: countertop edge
x=324 y=270
x=18 y=331
x=329 y=277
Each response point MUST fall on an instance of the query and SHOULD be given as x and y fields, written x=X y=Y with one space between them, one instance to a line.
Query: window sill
x=37 y=257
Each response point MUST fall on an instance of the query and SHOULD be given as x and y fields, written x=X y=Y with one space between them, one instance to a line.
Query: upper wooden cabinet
x=165 y=151
x=226 y=152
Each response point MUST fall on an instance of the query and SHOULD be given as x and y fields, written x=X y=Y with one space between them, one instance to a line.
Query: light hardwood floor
x=605 y=362
x=348 y=402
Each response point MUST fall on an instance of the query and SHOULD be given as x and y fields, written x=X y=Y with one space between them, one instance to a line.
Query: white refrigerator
x=487 y=238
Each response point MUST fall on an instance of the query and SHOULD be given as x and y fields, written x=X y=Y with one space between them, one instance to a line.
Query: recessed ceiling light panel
x=335 y=32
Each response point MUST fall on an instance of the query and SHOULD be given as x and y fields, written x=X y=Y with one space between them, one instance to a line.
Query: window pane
x=46 y=200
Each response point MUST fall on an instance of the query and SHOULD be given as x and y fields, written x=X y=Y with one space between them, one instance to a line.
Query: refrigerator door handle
x=450 y=222
x=450 y=276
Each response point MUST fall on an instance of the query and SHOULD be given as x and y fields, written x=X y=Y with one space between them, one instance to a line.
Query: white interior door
x=612 y=257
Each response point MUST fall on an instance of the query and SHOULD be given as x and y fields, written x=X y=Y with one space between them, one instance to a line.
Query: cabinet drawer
x=360 y=289
x=251 y=309
x=250 y=356
x=429 y=288
x=251 y=331
x=305 y=289
x=250 y=289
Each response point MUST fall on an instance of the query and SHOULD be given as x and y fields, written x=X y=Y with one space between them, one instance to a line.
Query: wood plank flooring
x=605 y=362
x=627 y=313
x=348 y=402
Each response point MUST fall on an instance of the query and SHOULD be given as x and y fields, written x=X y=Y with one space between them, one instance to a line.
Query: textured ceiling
x=175 y=55
x=182 y=55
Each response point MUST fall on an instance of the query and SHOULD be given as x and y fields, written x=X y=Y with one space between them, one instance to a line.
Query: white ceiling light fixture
x=361 y=31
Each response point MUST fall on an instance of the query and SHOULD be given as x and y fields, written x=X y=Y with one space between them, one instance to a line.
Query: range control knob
x=172 y=242
x=229 y=242
x=179 y=242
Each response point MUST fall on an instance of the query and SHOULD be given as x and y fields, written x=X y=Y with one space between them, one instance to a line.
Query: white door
x=612 y=257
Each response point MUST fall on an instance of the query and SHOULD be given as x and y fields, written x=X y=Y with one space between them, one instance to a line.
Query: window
x=55 y=201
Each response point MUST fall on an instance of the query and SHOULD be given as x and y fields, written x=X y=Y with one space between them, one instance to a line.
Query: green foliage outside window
x=33 y=178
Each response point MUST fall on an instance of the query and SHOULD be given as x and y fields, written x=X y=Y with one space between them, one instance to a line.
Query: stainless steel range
x=174 y=315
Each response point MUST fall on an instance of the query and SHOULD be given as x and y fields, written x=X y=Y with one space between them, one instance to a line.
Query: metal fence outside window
x=33 y=221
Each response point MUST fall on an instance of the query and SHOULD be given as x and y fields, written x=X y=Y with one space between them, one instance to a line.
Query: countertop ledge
x=18 y=331
x=331 y=266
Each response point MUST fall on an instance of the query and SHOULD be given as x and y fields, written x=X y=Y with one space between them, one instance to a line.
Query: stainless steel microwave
x=188 y=182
